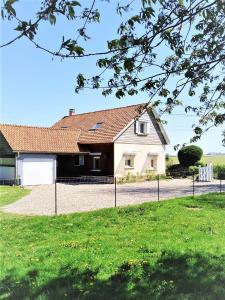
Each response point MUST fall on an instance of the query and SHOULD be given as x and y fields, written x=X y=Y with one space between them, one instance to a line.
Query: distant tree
x=192 y=30
x=189 y=155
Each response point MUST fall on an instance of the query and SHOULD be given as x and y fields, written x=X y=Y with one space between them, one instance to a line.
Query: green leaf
x=18 y=28
x=191 y=93
x=79 y=50
x=9 y=8
x=181 y=2
x=11 y=1
x=120 y=93
x=71 y=12
x=198 y=130
x=52 y=19
x=75 y=3
x=164 y=93
x=132 y=92
x=12 y=10
x=128 y=64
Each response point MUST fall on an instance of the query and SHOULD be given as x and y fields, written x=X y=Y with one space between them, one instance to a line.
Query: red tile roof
x=39 y=139
x=76 y=131
x=113 y=122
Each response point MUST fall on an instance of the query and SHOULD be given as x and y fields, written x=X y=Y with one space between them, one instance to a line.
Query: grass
x=164 y=250
x=10 y=194
x=214 y=159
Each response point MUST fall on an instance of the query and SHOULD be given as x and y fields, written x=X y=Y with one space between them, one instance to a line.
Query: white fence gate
x=206 y=173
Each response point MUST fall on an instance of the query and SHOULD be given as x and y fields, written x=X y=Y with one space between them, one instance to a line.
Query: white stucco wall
x=142 y=159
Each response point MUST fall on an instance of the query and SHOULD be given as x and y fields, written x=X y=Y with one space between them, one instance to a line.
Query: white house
x=107 y=142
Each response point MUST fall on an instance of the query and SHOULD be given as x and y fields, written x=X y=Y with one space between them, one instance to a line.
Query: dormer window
x=65 y=127
x=96 y=126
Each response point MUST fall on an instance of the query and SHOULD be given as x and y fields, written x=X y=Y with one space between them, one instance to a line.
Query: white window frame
x=138 y=127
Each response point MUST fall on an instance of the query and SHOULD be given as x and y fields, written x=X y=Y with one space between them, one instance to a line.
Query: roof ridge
x=107 y=109
x=39 y=127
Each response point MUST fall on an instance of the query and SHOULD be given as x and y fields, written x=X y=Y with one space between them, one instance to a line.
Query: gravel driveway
x=86 y=197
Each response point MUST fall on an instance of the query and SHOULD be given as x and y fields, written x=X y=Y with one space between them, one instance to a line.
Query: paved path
x=86 y=197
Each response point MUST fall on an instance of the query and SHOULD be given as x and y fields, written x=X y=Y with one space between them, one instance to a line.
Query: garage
x=34 y=151
x=35 y=170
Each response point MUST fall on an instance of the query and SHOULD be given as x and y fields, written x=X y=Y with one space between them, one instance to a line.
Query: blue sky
x=38 y=90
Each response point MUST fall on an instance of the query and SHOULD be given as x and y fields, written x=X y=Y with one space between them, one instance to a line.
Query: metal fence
x=95 y=192
x=10 y=182
x=86 y=193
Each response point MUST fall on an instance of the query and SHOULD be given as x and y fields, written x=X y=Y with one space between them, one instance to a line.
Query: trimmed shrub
x=189 y=155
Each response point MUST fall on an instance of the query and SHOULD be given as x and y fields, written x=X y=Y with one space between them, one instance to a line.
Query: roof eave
x=165 y=136
x=49 y=152
x=156 y=116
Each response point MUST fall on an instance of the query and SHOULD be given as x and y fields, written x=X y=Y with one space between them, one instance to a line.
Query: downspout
x=17 y=175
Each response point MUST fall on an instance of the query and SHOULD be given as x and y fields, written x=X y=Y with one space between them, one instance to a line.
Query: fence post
x=158 y=186
x=193 y=186
x=56 y=197
x=115 y=190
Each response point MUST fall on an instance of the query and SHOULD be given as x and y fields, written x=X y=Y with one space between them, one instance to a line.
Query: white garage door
x=37 y=171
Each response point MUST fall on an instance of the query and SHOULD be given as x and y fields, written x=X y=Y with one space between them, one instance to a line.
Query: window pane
x=96 y=163
x=127 y=162
x=81 y=160
x=152 y=163
x=142 y=127
x=96 y=126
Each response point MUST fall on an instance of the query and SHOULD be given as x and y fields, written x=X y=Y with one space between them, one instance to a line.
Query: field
x=214 y=159
x=164 y=250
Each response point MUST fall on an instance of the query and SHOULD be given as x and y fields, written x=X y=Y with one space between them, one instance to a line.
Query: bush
x=219 y=171
x=193 y=170
x=148 y=176
x=189 y=155
x=177 y=171
x=200 y=164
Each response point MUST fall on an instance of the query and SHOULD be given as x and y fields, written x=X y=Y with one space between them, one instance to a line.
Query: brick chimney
x=71 y=112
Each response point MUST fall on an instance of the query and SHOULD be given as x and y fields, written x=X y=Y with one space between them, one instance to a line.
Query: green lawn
x=164 y=250
x=214 y=159
x=9 y=194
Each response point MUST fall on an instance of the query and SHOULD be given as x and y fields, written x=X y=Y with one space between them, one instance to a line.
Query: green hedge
x=178 y=171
